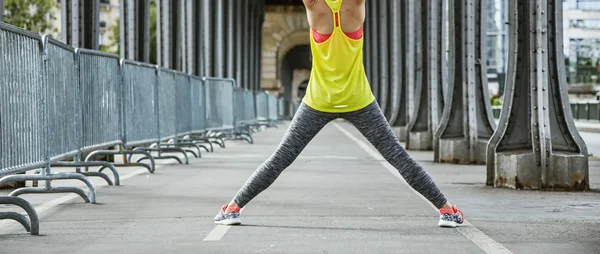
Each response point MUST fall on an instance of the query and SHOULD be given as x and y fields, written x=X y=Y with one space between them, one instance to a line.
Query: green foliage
x=495 y=101
x=153 y=56
x=115 y=35
x=32 y=15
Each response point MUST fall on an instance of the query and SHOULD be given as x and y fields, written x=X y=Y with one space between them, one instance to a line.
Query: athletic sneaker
x=451 y=217
x=231 y=217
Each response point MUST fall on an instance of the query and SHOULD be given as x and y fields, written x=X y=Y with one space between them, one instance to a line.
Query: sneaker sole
x=447 y=224
x=236 y=221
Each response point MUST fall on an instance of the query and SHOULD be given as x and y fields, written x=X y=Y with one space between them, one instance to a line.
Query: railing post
x=536 y=145
x=467 y=122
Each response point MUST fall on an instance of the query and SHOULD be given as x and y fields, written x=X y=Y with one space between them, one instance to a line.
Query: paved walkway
x=338 y=197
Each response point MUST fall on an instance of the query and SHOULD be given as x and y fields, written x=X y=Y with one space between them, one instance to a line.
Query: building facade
x=582 y=40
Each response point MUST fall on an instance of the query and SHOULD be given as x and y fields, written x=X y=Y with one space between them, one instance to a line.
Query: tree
x=116 y=35
x=33 y=15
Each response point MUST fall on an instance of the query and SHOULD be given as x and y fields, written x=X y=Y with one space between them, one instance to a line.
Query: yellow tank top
x=338 y=82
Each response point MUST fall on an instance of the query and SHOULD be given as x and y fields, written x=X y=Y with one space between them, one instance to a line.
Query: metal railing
x=59 y=104
x=588 y=111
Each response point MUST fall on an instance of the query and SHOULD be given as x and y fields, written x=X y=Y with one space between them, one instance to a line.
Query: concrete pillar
x=396 y=92
x=163 y=34
x=408 y=68
x=382 y=36
x=231 y=6
x=467 y=122
x=374 y=45
x=219 y=33
x=1 y=10
x=247 y=42
x=239 y=45
x=177 y=34
x=536 y=145
x=259 y=31
x=170 y=34
x=428 y=92
x=366 y=41
x=207 y=33
x=135 y=30
x=80 y=23
x=198 y=40
x=252 y=42
x=191 y=12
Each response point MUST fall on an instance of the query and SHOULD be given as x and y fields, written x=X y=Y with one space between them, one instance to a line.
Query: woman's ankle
x=232 y=207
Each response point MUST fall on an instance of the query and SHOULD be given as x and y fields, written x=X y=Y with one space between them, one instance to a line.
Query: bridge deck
x=336 y=198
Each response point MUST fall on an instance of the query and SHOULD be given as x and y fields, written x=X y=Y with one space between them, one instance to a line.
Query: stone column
x=536 y=145
x=467 y=122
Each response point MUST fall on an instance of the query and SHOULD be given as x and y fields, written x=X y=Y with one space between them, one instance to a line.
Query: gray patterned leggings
x=369 y=121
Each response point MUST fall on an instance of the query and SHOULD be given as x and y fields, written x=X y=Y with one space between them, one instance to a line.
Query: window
x=581 y=5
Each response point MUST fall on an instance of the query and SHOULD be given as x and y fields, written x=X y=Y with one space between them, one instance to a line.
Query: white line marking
x=217 y=233
x=484 y=242
x=211 y=156
x=329 y=157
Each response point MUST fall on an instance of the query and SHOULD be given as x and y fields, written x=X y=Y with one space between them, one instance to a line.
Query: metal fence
x=58 y=103
x=167 y=104
x=586 y=111
x=581 y=111
x=139 y=112
x=262 y=106
x=219 y=103
x=23 y=118
x=281 y=108
x=273 y=114
x=99 y=83
x=198 y=102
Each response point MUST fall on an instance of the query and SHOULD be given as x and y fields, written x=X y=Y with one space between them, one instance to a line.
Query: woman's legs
x=373 y=125
x=304 y=126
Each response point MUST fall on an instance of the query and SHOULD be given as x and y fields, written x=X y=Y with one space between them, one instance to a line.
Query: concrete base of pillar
x=518 y=170
x=400 y=133
x=422 y=141
x=457 y=151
